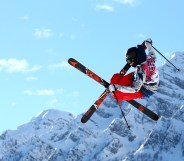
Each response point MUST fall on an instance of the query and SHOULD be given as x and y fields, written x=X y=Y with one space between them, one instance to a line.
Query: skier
x=144 y=81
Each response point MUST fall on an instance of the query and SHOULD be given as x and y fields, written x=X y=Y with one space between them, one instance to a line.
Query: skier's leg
x=123 y=80
x=126 y=80
x=128 y=96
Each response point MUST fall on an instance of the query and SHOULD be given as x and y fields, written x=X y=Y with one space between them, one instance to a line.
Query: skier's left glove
x=148 y=41
x=147 y=44
x=112 y=88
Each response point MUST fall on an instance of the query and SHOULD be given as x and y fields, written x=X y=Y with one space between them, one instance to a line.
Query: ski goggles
x=130 y=60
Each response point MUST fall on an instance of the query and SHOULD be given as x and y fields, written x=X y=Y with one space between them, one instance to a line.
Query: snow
x=55 y=135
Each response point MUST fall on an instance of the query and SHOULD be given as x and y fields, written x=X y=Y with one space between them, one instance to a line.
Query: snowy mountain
x=59 y=136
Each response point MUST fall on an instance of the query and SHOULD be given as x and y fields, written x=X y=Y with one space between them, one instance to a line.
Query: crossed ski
x=99 y=101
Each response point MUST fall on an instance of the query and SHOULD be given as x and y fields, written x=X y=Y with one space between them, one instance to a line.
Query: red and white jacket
x=145 y=76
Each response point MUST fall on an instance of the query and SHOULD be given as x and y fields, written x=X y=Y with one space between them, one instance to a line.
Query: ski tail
x=88 y=114
x=144 y=110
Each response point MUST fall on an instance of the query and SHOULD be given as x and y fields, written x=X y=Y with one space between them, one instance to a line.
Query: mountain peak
x=52 y=114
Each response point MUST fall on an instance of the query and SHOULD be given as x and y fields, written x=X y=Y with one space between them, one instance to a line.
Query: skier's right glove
x=123 y=72
x=112 y=88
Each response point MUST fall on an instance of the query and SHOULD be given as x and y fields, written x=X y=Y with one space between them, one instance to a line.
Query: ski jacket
x=146 y=76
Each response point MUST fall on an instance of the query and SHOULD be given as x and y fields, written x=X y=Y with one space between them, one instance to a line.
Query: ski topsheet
x=97 y=78
x=87 y=71
x=94 y=107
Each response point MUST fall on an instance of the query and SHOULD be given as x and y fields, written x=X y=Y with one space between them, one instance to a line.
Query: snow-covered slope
x=59 y=136
x=166 y=141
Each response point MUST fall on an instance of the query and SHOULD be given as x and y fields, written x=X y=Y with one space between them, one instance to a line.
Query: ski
x=125 y=69
x=87 y=71
x=94 y=107
x=97 y=78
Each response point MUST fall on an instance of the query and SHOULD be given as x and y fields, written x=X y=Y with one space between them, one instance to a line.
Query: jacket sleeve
x=141 y=54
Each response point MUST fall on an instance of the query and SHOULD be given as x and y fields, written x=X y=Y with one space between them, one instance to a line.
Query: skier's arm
x=125 y=69
x=147 y=44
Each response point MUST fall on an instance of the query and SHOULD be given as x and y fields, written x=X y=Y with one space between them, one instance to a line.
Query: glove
x=148 y=44
x=122 y=72
x=148 y=41
x=112 y=88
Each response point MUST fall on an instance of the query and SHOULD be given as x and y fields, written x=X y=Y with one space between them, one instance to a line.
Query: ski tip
x=83 y=120
x=72 y=62
x=70 y=59
x=156 y=118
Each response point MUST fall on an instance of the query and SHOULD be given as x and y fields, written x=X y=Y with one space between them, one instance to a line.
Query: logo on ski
x=141 y=108
x=88 y=112
x=101 y=99
x=93 y=75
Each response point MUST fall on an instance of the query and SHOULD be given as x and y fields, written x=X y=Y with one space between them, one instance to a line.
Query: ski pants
x=126 y=80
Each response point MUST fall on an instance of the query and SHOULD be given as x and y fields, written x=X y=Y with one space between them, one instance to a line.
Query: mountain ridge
x=56 y=135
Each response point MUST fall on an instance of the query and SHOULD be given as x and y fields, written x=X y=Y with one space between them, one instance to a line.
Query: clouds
x=127 y=2
x=60 y=65
x=31 y=78
x=50 y=92
x=143 y=36
x=24 y=18
x=13 y=65
x=110 y=6
x=106 y=7
x=42 y=92
x=43 y=33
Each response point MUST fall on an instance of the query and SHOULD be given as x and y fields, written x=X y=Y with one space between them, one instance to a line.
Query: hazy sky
x=38 y=36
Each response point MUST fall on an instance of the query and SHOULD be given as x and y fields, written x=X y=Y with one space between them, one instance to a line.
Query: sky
x=38 y=37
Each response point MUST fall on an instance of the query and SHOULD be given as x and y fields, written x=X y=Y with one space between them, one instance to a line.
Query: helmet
x=131 y=56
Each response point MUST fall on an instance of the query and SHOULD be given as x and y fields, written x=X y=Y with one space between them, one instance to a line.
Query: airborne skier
x=98 y=102
x=144 y=81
